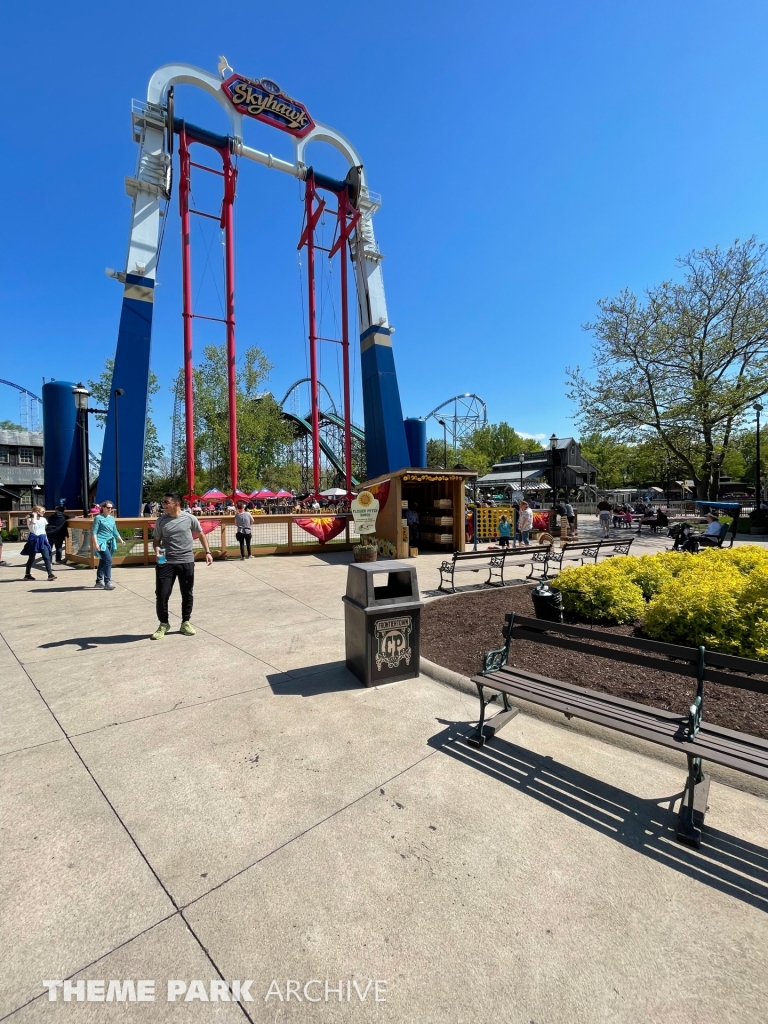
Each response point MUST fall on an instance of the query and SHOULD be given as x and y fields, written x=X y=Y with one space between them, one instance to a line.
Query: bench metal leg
x=487 y=730
x=694 y=804
x=442 y=581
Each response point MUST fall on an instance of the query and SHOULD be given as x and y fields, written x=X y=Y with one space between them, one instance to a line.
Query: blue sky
x=532 y=158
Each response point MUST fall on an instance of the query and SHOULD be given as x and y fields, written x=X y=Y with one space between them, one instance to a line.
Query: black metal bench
x=576 y=551
x=687 y=733
x=493 y=561
x=539 y=559
x=619 y=547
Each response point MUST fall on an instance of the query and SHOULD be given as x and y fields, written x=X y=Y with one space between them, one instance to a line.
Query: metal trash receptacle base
x=382 y=646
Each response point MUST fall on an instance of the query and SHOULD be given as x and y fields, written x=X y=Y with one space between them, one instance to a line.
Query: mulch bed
x=456 y=631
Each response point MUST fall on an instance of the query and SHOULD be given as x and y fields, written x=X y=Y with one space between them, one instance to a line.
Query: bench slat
x=671 y=650
x=627 y=657
x=687 y=654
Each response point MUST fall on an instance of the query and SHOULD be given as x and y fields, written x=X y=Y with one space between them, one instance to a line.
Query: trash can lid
x=373 y=584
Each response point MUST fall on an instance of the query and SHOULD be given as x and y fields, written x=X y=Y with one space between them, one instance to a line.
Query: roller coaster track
x=325 y=447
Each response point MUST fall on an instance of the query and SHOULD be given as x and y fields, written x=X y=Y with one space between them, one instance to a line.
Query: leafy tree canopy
x=101 y=390
x=684 y=363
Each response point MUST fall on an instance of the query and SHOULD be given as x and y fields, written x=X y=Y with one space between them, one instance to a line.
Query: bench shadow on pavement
x=91 y=643
x=724 y=862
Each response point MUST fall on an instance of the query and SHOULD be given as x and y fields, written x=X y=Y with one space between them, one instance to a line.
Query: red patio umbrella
x=283 y=494
x=239 y=495
x=213 y=495
x=264 y=494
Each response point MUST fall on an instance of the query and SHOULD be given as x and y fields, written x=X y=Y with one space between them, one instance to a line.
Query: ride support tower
x=155 y=127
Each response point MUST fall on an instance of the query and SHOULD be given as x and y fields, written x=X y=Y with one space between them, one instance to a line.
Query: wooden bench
x=493 y=561
x=687 y=733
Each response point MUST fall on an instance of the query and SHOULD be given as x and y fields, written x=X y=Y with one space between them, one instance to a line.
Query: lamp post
x=552 y=450
x=117 y=393
x=445 y=443
x=521 y=459
x=474 y=515
x=81 y=395
x=758 y=492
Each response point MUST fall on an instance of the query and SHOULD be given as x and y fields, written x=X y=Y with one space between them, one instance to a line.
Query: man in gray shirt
x=174 y=532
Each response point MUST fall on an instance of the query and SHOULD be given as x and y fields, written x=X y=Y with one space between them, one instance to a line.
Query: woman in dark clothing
x=57 y=531
x=243 y=524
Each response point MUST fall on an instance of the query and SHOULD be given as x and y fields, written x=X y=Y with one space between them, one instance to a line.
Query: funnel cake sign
x=264 y=100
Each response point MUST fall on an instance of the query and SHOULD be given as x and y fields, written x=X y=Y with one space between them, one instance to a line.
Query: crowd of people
x=259 y=506
x=625 y=515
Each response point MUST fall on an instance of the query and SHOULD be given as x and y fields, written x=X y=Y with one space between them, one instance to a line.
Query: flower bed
x=457 y=630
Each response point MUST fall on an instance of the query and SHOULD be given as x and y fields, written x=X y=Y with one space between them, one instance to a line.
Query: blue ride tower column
x=386 y=449
x=131 y=373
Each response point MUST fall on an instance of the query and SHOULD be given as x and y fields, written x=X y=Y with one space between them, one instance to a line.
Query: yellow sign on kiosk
x=365 y=509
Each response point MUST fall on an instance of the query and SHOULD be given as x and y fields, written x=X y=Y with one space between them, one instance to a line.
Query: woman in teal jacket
x=106 y=537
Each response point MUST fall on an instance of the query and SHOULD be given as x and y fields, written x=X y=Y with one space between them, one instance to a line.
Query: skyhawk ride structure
x=154 y=127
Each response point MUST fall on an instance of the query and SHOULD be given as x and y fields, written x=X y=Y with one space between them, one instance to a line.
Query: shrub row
x=716 y=598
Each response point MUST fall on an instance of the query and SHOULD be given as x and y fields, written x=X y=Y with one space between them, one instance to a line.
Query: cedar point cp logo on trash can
x=392 y=636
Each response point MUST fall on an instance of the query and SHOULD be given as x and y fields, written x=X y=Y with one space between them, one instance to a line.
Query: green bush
x=701 y=606
x=649 y=572
x=600 y=592
x=718 y=598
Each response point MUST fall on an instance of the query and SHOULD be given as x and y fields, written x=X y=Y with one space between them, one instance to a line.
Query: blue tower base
x=385 y=444
x=132 y=374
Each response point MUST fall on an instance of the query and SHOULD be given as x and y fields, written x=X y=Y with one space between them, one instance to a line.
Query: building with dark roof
x=21 y=469
x=560 y=470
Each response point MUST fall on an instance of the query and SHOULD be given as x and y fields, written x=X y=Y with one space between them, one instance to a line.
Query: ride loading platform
x=436 y=495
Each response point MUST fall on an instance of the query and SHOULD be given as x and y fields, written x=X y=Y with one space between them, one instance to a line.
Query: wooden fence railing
x=271 y=535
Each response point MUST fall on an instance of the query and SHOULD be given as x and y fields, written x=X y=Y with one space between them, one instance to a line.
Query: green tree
x=684 y=363
x=101 y=390
x=262 y=433
x=436 y=454
x=10 y=425
x=611 y=457
x=491 y=443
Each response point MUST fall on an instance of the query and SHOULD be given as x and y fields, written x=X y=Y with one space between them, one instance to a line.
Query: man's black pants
x=164 y=576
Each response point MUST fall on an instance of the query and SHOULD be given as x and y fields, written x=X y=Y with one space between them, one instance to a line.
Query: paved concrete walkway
x=234 y=806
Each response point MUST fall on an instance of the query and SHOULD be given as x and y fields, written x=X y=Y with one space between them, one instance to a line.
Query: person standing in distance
x=174 y=533
x=604 y=515
x=243 y=525
x=106 y=538
x=58 y=531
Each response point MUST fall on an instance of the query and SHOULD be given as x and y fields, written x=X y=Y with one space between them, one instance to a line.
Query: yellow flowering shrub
x=600 y=592
x=649 y=572
x=701 y=606
x=718 y=597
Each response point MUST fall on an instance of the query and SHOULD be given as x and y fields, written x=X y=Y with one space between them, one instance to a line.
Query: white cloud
x=532 y=437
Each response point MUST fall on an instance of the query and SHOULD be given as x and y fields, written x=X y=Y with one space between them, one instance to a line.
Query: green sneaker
x=187 y=629
x=161 y=630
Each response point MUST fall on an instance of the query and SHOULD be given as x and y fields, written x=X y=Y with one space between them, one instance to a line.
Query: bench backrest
x=697 y=663
x=463 y=556
x=529 y=549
